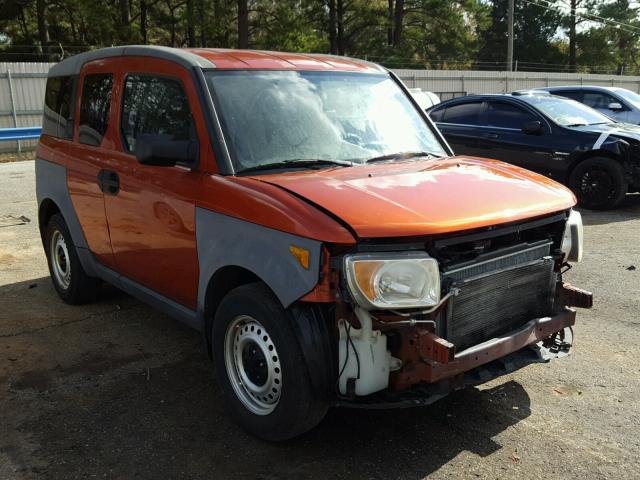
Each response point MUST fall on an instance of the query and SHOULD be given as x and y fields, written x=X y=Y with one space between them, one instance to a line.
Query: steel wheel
x=253 y=365
x=60 y=260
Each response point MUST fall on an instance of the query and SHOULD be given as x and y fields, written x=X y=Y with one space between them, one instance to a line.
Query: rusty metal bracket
x=575 y=297
x=432 y=347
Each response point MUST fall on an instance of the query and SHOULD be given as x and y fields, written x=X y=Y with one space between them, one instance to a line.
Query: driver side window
x=598 y=100
x=506 y=115
x=155 y=105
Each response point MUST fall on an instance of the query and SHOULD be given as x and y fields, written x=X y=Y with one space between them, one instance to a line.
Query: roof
x=221 y=59
x=602 y=88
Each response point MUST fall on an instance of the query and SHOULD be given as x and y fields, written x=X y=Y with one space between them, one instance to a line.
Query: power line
x=588 y=17
x=593 y=16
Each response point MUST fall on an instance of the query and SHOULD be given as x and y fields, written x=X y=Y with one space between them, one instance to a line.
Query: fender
x=51 y=184
x=227 y=241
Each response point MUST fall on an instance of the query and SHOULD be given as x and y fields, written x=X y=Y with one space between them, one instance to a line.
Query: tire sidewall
x=615 y=171
x=295 y=395
x=71 y=294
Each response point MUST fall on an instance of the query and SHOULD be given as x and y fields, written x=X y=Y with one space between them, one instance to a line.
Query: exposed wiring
x=348 y=341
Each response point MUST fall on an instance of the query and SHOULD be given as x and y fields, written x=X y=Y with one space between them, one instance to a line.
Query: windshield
x=629 y=96
x=283 y=117
x=566 y=112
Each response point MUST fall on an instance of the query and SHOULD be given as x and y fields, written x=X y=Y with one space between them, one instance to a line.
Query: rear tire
x=260 y=366
x=70 y=280
x=599 y=183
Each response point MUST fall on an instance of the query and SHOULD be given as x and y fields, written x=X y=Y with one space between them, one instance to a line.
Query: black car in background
x=599 y=159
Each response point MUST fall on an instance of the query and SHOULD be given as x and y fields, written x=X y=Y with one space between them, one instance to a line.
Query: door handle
x=491 y=135
x=109 y=182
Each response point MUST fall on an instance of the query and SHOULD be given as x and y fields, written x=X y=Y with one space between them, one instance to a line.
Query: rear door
x=459 y=124
x=502 y=136
x=85 y=158
x=152 y=215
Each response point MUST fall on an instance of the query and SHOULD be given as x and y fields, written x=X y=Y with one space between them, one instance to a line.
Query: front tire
x=599 y=183
x=260 y=367
x=71 y=282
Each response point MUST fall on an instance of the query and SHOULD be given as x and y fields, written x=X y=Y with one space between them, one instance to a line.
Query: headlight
x=572 y=239
x=393 y=280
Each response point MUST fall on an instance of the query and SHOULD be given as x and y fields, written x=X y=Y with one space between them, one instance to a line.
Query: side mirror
x=615 y=106
x=533 y=128
x=163 y=151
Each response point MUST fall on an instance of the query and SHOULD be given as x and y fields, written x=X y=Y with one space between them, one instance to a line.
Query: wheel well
x=590 y=154
x=221 y=283
x=47 y=209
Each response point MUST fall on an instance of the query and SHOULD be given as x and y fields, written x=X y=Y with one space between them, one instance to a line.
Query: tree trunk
x=390 y=17
x=143 y=20
x=125 y=20
x=191 y=29
x=572 y=36
x=203 y=23
x=398 y=20
x=243 y=24
x=23 y=23
x=340 y=21
x=333 y=38
x=43 y=28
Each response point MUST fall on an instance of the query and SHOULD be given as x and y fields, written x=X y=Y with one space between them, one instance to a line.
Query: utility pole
x=510 y=33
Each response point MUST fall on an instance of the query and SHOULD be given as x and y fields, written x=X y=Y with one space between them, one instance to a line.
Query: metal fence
x=21 y=98
x=22 y=89
x=453 y=83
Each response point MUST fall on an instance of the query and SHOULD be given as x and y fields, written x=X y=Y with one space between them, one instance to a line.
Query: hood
x=426 y=197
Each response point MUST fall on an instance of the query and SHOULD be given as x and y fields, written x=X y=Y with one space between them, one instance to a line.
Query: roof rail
x=72 y=65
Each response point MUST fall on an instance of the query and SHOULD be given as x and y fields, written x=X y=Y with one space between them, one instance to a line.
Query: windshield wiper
x=577 y=125
x=400 y=156
x=295 y=163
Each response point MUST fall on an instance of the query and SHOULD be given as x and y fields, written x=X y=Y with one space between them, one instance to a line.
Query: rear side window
x=506 y=115
x=59 y=106
x=463 y=113
x=155 y=105
x=94 y=108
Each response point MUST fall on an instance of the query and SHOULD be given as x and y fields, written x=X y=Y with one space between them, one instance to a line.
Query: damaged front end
x=419 y=320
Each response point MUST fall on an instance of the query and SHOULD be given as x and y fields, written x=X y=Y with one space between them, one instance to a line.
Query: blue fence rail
x=20 y=133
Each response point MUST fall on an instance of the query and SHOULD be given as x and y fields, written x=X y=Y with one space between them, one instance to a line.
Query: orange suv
x=306 y=216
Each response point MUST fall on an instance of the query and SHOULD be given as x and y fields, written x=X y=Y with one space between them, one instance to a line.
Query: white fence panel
x=27 y=82
x=450 y=83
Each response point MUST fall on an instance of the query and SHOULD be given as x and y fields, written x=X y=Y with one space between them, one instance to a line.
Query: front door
x=603 y=102
x=151 y=217
x=503 y=138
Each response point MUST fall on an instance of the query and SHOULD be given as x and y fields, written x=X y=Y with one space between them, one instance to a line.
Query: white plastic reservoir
x=373 y=358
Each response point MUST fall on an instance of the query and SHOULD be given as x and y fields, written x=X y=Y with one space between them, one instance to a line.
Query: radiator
x=499 y=295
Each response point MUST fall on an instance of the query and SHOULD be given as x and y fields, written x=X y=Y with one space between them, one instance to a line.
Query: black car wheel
x=599 y=183
x=71 y=282
x=260 y=367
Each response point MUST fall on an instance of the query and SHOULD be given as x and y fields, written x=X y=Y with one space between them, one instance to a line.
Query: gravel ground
x=118 y=390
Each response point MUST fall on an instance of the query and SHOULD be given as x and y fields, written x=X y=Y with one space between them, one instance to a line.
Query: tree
x=612 y=45
x=534 y=30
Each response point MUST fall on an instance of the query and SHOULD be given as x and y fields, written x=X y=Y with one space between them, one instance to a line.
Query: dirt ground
x=117 y=390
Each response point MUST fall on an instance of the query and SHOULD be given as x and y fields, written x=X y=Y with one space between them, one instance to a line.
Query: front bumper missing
x=425 y=382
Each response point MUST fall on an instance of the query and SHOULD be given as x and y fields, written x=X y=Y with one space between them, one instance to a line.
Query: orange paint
x=427 y=197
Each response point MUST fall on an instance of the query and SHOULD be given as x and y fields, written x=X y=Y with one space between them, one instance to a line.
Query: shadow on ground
x=629 y=209
x=129 y=394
